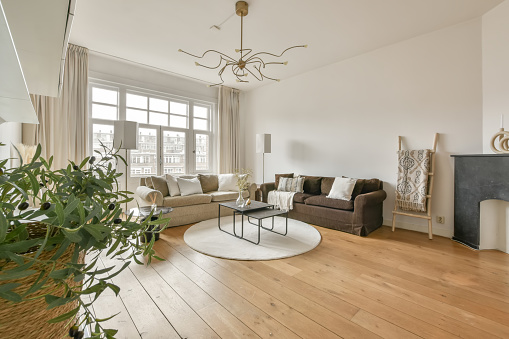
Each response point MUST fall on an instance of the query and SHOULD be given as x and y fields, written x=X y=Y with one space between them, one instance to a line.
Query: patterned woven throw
x=412 y=186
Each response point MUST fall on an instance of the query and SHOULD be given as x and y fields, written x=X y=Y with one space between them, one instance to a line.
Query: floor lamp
x=263 y=146
x=125 y=137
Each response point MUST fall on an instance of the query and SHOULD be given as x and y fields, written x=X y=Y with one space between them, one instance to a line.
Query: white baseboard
x=440 y=230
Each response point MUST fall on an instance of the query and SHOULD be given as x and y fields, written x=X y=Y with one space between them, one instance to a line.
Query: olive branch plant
x=79 y=207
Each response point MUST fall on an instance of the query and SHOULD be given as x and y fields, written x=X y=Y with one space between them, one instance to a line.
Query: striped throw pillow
x=291 y=185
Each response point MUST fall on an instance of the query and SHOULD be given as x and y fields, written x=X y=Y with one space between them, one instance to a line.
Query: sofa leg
x=393 y=222
x=430 y=233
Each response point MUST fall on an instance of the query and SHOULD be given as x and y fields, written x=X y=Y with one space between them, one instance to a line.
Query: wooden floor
x=390 y=285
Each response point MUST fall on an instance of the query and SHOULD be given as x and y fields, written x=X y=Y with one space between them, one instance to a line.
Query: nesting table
x=258 y=211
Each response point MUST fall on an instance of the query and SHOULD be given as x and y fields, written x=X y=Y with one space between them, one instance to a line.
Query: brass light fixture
x=247 y=63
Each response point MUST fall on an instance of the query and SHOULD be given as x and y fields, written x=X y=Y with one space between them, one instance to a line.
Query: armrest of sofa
x=369 y=199
x=266 y=188
x=368 y=211
x=148 y=196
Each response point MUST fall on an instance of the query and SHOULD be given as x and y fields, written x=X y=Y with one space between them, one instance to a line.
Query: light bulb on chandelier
x=247 y=63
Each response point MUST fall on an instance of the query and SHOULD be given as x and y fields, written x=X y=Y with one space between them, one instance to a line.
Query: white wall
x=495 y=49
x=10 y=134
x=344 y=119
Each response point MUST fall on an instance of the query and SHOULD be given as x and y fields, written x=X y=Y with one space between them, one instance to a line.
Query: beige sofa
x=191 y=208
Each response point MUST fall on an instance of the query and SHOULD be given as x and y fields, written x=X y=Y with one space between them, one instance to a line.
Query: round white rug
x=205 y=237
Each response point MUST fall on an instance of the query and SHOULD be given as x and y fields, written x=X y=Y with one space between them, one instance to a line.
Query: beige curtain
x=229 y=130
x=63 y=122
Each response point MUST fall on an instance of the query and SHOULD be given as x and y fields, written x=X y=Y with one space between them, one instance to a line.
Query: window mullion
x=122 y=104
x=191 y=146
x=160 y=151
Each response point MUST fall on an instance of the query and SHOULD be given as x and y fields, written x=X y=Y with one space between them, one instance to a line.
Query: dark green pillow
x=312 y=185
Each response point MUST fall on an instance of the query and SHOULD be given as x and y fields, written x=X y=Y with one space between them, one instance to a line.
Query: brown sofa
x=360 y=216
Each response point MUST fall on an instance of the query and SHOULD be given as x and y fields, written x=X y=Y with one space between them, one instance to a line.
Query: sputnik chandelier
x=247 y=63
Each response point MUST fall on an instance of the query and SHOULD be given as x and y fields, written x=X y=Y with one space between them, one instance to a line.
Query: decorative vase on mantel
x=240 y=200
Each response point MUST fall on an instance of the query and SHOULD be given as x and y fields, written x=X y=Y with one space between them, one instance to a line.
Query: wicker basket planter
x=82 y=205
x=29 y=319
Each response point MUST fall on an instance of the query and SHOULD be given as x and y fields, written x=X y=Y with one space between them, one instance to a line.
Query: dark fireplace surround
x=477 y=177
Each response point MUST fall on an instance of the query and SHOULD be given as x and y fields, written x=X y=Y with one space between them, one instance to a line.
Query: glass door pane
x=202 y=152
x=102 y=133
x=144 y=159
x=174 y=152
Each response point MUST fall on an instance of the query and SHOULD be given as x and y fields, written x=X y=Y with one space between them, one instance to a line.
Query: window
x=202 y=137
x=175 y=134
x=103 y=110
x=104 y=103
x=201 y=118
x=146 y=152
x=174 y=146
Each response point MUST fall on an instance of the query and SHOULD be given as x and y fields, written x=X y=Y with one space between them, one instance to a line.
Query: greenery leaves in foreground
x=79 y=209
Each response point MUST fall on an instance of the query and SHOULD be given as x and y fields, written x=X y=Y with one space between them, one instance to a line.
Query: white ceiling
x=151 y=31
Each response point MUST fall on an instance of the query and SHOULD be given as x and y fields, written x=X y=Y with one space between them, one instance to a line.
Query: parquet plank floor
x=389 y=285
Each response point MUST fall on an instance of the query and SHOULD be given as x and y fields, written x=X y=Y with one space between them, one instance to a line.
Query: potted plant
x=49 y=219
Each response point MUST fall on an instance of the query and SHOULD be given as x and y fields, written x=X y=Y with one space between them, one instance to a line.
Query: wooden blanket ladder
x=431 y=176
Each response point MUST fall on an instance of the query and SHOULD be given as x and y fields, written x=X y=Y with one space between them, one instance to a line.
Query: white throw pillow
x=173 y=186
x=227 y=182
x=342 y=188
x=291 y=184
x=189 y=186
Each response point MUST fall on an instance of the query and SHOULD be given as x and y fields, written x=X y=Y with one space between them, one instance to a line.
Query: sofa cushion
x=300 y=197
x=187 y=200
x=342 y=188
x=160 y=184
x=173 y=186
x=326 y=184
x=189 y=186
x=209 y=183
x=359 y=185
x=322 y=200
x=291 y=184
x=288 y=175
x=370 y=185
x=146 y=182
x=312 y=184
x=227 y=182
x=227 y=196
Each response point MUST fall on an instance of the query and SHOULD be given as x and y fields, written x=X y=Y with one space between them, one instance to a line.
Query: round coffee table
x=144 y=212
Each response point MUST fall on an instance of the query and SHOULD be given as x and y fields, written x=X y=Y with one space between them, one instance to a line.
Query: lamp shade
x=125 y=135
x=263 y=143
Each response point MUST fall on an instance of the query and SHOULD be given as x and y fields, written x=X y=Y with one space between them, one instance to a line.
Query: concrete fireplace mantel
x=477 y=177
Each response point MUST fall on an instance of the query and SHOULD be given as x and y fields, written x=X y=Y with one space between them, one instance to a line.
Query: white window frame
x=190 y=154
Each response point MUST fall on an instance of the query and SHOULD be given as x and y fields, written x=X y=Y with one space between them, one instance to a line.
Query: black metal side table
x=144 y=212
x=257 y=210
